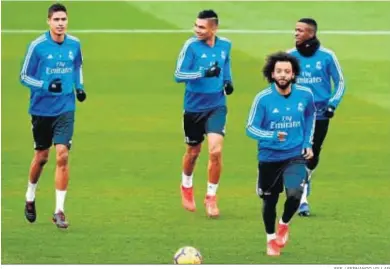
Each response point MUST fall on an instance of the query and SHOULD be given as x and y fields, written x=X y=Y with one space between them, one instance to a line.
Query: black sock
x=269 y=212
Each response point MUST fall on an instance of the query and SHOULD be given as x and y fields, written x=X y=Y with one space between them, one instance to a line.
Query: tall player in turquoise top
x=321 y=72
x=204 y=66
x=281 y=119
x=52 y=70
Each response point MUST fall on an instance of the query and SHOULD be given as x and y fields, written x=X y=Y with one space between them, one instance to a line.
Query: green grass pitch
x=123 y=203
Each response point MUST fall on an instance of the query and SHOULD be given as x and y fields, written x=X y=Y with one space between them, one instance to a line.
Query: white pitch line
x=177 y=31
x=197 y=1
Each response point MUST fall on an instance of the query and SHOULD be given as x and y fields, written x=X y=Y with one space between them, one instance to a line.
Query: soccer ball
x=187 y=255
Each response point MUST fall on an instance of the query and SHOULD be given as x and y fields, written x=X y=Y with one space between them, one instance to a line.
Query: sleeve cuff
x=45 y=86
x=275 y=136
x=307 y=145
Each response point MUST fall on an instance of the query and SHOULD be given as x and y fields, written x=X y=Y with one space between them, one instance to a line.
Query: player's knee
x=294 y=194
x=42 y=157
x=215 y=155
x=62 y=158
x=270 y=200
x=42 y=162
x=193 y=152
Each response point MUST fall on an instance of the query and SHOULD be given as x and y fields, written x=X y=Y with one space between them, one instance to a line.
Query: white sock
x=281 y=222
x=271 y=237
x=60 y=201
x=212 y=189
x=30 y=194
x=186 y=181
x=304 y=195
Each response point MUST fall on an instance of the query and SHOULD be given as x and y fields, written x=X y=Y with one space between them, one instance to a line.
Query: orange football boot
x=282 y=235
x=187 y=198
x=272 y=248
x=210 y=203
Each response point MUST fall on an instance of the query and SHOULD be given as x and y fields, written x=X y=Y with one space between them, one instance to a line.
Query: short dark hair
x=208 y=14
x=55 y=8
x=280 y=56
x=311 y=22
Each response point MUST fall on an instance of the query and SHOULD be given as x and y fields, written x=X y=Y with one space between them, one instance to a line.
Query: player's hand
x=228 y=88
x=282 y=136
x=81 y=95
x=55 y=86
x=213 y=71
x=307 y=153
x=329 y=112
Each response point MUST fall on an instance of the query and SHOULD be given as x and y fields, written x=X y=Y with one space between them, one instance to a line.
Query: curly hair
x=280 y=57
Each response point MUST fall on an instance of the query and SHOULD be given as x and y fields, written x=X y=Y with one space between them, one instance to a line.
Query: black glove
x=228 y=88
x=81 y=95
x=213 y=71
x=329 y=112
x=55 y=86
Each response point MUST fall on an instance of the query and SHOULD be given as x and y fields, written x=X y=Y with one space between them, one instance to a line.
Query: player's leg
x=268 y=188
x=294 y=177
x=186 y=187
x=215 y=129
x=189 y=161
x=63 y=132
x=42 y=134
x=194 y=135
x=321 y=129
x=215 y=142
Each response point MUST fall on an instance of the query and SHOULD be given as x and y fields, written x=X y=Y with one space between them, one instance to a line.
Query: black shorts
x=274 y=176
x=49 y=130
x=197 y=124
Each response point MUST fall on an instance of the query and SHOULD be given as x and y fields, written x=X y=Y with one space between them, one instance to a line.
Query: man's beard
x=285 y=86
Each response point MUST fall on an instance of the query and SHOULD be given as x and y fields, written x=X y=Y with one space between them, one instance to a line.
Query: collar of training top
x=48 y=37
x=308 y=47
